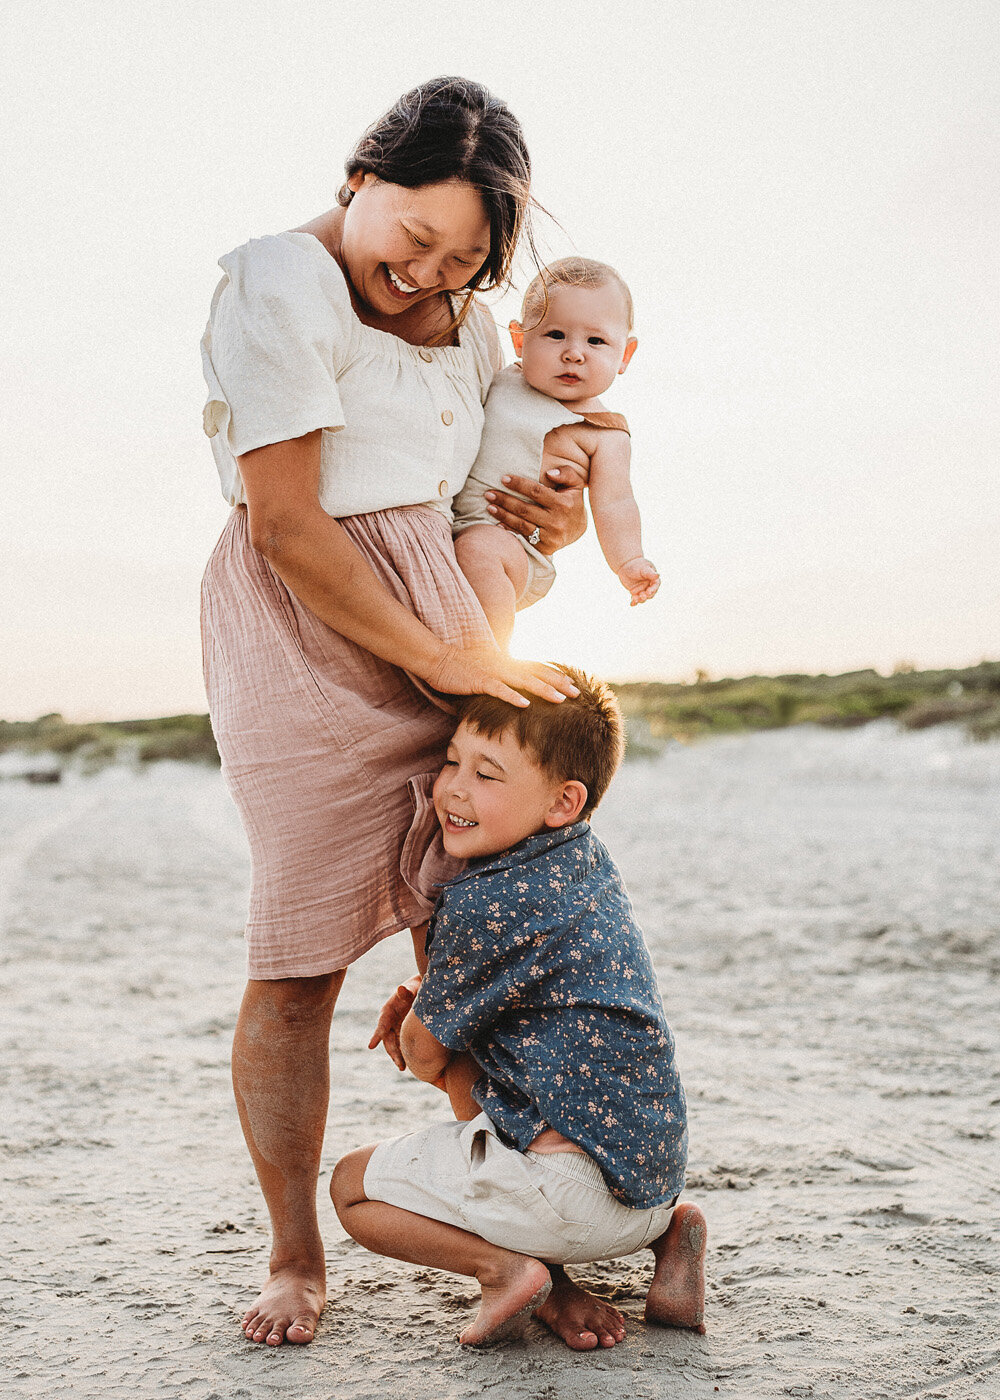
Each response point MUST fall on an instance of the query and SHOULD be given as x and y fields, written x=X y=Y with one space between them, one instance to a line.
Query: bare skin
x=511 y=1284
x=581 y=1319
x=282 y=1039
x=676 y=1296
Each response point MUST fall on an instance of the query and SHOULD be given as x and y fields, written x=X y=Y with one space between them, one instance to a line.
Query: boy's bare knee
x=347 y=1184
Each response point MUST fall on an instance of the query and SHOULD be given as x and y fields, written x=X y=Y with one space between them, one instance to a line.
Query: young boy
x=573 y=339
x=536 y=967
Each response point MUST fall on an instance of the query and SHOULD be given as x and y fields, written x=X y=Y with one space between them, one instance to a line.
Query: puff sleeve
x=271 y=350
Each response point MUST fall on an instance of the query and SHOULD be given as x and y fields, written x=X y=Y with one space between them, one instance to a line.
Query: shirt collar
x=524 y=851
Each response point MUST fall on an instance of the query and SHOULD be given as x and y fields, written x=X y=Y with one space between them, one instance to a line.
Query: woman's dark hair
x=454 y=129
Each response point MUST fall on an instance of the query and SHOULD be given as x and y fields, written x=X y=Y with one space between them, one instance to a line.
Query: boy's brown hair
x=580 y=739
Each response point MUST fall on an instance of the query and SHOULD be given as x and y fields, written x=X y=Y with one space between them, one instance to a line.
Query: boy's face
x=582 y=343
x=491 y=794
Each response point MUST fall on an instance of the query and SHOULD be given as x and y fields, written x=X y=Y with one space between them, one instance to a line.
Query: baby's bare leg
x=676 y=1296
x=512 y=1284
x=497 y=567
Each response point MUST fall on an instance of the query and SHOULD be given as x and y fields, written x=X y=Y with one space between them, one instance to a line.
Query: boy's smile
x=492 y=793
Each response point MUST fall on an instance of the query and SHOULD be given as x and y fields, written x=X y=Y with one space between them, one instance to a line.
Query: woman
x=347 y=364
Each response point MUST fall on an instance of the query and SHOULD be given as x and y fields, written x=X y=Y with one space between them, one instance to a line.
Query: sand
x=823 y=914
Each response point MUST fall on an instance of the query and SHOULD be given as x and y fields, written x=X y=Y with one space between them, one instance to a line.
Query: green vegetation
x=92 y=746
x=916 y=699
x=656 y=710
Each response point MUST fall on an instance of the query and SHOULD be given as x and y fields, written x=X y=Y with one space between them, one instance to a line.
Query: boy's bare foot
x=676 y=1296
x=288 y=1308
x=578 y=1317
x=510 y=1295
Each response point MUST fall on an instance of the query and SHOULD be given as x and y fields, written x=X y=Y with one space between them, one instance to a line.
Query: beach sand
x=823 y=913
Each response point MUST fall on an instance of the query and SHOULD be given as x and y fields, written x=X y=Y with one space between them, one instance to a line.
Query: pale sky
x=802 y=195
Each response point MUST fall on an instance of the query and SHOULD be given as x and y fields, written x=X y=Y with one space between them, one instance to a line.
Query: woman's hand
x=485 y=670
x=392 y=1016
x=555 y=511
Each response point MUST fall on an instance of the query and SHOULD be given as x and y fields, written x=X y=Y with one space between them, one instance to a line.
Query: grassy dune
x=92 y=746
x=916 y=699
x=657 y=710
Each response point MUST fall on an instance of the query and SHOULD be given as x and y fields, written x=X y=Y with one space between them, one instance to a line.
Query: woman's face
x=403 y=246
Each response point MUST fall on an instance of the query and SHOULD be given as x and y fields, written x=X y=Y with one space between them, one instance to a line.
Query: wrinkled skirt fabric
x=318 y=739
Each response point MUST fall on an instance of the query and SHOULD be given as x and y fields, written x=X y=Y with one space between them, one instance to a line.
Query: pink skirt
x=318 y=739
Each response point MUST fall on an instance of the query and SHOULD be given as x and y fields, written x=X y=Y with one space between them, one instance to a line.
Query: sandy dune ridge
x=823 y=913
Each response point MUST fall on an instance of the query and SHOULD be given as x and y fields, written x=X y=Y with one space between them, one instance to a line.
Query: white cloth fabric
x=553 y=1205
x=284 y=354
x=517 y=420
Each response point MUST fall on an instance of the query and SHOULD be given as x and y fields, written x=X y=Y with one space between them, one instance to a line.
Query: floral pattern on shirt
x=537 y=966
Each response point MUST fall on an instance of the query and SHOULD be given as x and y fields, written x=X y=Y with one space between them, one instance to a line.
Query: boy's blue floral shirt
x=537 y=966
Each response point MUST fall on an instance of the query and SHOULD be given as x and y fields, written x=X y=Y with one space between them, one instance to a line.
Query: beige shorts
x=555 y=1206
x=541 y=572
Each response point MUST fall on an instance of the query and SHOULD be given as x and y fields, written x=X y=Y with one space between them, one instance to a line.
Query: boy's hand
x=639 y=576
x=392 y=1016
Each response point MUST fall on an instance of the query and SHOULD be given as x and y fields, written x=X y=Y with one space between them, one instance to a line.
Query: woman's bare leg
x=281 y=1077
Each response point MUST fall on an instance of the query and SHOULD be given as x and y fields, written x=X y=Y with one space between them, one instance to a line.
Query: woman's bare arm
x=313 y=556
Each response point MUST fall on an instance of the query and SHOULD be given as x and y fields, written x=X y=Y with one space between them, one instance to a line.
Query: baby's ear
x=631 y=346
x=517 y=336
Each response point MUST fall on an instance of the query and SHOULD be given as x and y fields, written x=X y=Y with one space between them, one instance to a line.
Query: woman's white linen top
x=285 y=354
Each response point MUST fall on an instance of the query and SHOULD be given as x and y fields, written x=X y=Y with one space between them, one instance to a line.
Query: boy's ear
x=517 y=336
x=630 y=349
x=569 y=803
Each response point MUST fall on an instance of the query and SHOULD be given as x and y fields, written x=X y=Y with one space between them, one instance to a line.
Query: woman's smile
x=398 y=285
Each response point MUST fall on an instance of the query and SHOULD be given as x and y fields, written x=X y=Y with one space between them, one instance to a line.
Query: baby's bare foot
x=510 y=1295
x=288 y=1308
x=676 y=1296
x=578 y=1317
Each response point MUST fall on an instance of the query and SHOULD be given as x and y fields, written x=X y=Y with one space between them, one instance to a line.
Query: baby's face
x=491 y=794
x=574 y=353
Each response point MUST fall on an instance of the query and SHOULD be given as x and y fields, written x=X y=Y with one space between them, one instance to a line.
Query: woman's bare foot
x=676 y=1296
x=578 y=1317
x=511 y=1292
x=288 y=1308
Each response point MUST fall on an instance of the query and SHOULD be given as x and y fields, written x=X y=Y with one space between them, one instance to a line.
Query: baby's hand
x=639 y=576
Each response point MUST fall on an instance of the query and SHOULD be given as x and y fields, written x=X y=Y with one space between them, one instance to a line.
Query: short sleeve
x=472 y=979
x=275 y=335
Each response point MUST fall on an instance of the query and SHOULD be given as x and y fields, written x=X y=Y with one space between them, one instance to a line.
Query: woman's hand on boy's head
x=486 y=670
x=555 y=510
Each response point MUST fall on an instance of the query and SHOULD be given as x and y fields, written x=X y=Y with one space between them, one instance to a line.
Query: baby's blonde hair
x=571 y=272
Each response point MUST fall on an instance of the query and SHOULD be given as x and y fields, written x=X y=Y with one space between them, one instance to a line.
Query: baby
x=575 y=1142
x=574 y=337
